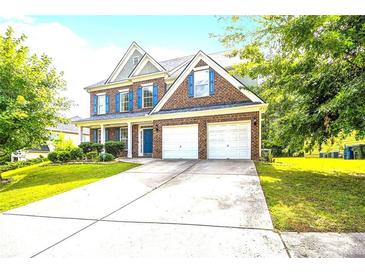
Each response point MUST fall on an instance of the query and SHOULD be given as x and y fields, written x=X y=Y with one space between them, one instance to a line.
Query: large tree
x=29 y=98
x=313 y=75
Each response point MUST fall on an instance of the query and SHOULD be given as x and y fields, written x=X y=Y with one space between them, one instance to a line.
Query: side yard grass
x=40 y=181
x=315 y=194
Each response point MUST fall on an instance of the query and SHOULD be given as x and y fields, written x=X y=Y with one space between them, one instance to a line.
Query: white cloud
x=81 y=63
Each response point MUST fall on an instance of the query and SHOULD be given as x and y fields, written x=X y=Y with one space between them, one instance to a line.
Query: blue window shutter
x=106 y=134
x=95 y=135
x=155 y=94
x=139 y=97
x=117 y=102
x=106 y=103
x=211 y=82
x=95 y=104
x=117 y=134
x=130 y=98
x=191 y=85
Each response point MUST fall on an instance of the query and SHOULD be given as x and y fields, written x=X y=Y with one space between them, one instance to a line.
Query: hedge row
x=19 y=164
x=112 y=147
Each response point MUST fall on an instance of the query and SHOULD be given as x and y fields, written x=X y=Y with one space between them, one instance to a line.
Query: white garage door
x=180 y=142
x=229 y=140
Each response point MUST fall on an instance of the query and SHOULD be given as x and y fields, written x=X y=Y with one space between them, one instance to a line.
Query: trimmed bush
x=97 y=147
x=63 y=156
x=19 y=164
x=106 y=157
x=92 y=155
x=86 y=147
x=114 y=148
x=53 y=156
x=76 y=153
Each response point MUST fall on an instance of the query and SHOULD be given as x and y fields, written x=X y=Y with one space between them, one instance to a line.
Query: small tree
x=313 y=75
x=29 y=99
x=61 y=144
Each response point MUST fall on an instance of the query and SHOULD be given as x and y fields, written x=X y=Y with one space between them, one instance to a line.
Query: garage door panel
x=180 y=142
x=229 y=140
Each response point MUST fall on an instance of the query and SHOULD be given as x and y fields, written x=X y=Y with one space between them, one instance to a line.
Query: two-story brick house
x=188 y=107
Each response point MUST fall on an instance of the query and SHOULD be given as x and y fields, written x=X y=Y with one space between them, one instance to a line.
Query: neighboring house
x=69 y=132
x=188 y=107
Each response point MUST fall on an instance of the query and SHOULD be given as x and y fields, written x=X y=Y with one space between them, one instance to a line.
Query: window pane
x=201 y=83
x=147 y=97
x=101 y=104
x=124 y=137
x=124 y=106
x=201 y=90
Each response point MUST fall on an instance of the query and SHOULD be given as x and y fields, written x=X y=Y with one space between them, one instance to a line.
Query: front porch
x=137 y=137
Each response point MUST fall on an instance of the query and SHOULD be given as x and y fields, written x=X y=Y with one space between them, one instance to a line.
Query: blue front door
x=147 y=140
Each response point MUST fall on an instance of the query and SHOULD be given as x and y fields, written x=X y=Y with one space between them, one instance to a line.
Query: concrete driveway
x=161 y=209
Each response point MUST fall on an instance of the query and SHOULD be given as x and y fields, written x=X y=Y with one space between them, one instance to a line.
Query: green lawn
x=40 y=181
x=312 y=194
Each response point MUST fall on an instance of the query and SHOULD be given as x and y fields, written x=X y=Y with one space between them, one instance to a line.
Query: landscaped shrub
x=86 y=147
x=15 y=165
x=114 y=147
x=97 y=147
x=63 y=156
x=53 y=156
x=76 y=153
x=106 y=157
x=63 y=144
x=92 y=155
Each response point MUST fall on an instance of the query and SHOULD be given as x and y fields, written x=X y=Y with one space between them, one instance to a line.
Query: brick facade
x=112 y=91
x=202 y=128
x=225 y=92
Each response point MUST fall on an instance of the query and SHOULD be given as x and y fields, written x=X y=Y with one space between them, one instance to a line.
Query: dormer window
x=135 y=60
x=201 y=83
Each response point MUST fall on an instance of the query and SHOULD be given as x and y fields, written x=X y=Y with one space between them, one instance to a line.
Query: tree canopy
x=29 y=98
x=313 y=75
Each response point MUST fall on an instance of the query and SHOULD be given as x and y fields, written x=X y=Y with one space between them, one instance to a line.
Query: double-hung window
x=101 y=104
x=147 y=96
x=124 y=136
x=99 y=136
x=124 y=101
x=201 y=83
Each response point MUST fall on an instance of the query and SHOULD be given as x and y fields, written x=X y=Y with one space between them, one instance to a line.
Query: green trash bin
x=359 y=151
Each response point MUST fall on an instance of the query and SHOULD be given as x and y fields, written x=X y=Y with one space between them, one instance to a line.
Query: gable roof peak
x=133 y=46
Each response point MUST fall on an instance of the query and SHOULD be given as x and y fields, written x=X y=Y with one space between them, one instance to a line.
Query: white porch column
x=80 y=134
x=102 y=133
x=129 y=155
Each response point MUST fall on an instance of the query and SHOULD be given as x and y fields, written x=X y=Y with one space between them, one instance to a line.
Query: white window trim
x=98 y=139
x=125 y=91
x=202 y=96
x=201 y=68
x=98 y=106
x=151 y=85
x=147 y=84
x=133 y=58
x=120 y=137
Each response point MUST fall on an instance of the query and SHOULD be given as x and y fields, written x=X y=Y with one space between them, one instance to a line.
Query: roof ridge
x=193 y=55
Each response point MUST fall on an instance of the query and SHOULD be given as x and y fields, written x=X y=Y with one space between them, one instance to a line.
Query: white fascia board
x=150 y=118
x=211 y=63
x=145 y=59
x=125 y=58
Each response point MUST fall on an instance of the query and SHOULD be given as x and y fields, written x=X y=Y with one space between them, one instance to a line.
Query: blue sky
x=189 y=33
x=87 y=48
